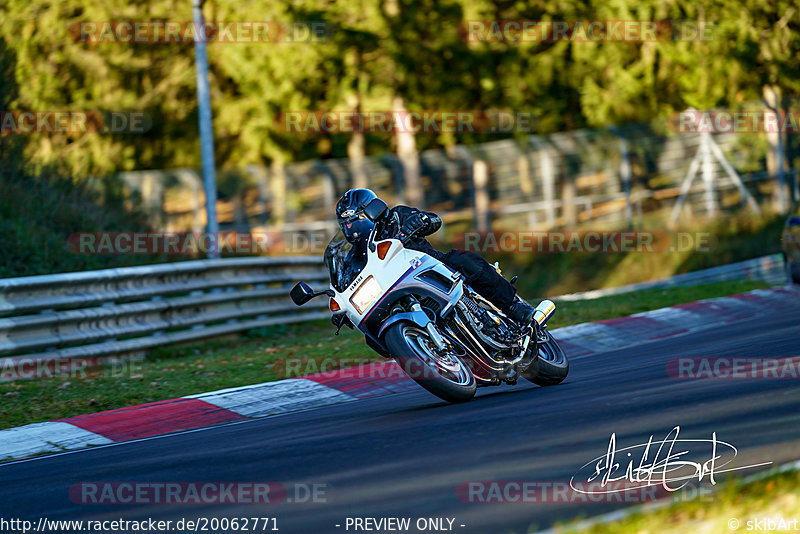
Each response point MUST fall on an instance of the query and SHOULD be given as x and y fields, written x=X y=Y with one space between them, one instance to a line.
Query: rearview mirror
x=375 y=209
x=301 y=293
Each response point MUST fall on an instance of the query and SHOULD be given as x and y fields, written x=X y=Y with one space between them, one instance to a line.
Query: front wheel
x=441 y=373
x=551 y=366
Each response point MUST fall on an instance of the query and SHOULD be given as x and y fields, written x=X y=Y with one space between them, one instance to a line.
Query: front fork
x=436 y=337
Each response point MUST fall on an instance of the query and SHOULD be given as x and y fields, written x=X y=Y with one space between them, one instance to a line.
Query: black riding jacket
x=400 y=214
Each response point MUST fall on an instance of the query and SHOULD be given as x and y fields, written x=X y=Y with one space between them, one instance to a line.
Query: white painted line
x=51 y=436
x=778 y=295
x=594 y=335
x=269 y=398
x=170 y=435
x=678 y=318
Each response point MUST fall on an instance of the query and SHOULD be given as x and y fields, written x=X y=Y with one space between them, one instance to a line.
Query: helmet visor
x=356 y=227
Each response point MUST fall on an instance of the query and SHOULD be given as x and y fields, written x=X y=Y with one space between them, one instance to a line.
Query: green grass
x=776 y=496
x=730 y=239
x=266 y=355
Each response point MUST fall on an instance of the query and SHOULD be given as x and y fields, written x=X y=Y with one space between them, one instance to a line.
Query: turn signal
x=383 y=248
x=334 y=306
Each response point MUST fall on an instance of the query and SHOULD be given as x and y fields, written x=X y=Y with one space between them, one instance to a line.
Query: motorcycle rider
x=405 y=221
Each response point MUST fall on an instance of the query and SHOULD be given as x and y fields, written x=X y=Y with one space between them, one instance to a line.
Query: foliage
x=375 y=50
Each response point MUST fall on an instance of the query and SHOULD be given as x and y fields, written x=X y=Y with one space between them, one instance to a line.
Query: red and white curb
x=355 y=383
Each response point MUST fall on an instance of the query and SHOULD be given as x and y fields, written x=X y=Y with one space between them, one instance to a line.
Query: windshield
x=344 y=261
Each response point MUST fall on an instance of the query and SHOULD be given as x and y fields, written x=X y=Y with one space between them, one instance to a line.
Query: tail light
x=383 y=248
x=333 y=305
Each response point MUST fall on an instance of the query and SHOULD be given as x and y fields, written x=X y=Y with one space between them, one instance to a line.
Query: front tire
x=444 y=375
x=551 y=365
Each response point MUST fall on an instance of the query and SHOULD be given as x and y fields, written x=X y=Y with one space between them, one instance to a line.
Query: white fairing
x=398 y=262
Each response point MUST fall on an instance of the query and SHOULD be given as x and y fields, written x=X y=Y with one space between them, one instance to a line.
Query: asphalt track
x=405 y=455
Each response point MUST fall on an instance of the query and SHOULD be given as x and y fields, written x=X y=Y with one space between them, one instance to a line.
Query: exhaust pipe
x=544 y=311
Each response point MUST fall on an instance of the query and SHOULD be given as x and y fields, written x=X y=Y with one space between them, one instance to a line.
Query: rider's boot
x=521 y=312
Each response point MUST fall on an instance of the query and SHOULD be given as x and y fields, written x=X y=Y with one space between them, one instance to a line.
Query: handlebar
x=405 y=239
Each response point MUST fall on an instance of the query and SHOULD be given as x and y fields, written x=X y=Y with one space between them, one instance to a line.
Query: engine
x=492 y=329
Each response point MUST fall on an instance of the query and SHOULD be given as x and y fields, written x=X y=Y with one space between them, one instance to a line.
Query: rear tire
x=792 y=272
x=446 y=376
x=551 y=366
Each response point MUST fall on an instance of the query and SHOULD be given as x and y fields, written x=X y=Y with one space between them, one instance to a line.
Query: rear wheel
x=792 y=271
x=551 y=366
x=440 y=372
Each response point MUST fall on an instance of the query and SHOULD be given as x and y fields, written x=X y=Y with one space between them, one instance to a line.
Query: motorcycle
x=416 y=310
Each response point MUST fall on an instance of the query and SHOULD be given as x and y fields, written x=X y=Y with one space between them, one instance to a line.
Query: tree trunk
x=408 y=155
x=776 y=159
x=278 y=191
x=355 y=149
x=568 y=207
x=480 y=197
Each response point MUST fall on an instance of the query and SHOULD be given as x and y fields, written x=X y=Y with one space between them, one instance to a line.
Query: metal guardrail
x=766 y=268
x=94 y=314
x=117 y=312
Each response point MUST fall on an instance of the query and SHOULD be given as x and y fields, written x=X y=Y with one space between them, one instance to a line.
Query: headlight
x=365 y=295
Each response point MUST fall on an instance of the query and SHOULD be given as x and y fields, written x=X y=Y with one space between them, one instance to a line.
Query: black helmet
x=350 y=214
